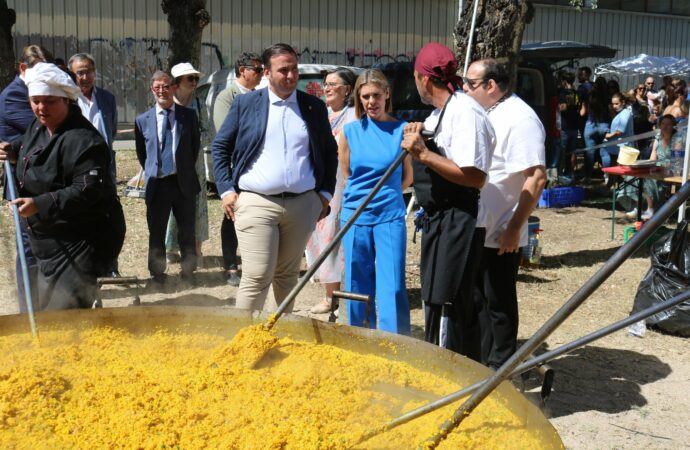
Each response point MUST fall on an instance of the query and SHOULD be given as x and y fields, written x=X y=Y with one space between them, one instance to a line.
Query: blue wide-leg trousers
x=375 y=265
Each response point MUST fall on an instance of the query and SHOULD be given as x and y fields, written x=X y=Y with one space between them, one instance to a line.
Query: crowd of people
x=291 y=170
x=596 y=112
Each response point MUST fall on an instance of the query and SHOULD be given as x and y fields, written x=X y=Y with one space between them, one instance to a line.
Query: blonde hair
x=375 y=77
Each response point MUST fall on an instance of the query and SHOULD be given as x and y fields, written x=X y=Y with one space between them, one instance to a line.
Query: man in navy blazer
x=98 y=107
x=97 y=104
x=167 y=144
x=275 y=162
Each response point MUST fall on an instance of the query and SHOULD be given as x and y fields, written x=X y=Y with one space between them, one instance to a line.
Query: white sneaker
x=647 y=214
x=631 y=214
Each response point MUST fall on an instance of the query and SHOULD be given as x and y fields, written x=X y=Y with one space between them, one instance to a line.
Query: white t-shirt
x=465 y=135
x=520 y=145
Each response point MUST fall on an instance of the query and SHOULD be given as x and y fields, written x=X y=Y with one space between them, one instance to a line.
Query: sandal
x=323 y=307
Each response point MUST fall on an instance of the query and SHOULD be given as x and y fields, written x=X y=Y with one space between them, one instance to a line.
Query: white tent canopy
x=646 y=65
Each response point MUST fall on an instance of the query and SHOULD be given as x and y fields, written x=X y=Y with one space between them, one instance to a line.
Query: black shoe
x=233 y=278
x=188 y=279
x=114 y=274
x=156 y=282
x=172 y=257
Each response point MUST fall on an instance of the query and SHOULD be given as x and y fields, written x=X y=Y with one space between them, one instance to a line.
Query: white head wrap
x=49 y=79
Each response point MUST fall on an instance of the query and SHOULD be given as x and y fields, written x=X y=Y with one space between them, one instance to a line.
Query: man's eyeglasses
x=257 y=69
x=474 y=83
x=650 y=84
x=192 y=78
x=84 y=73
x=162 y=87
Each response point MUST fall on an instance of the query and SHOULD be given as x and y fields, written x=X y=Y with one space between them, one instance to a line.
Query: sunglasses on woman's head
x=192 y=78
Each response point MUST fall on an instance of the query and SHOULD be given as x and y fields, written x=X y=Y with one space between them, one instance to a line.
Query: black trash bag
x=668 y=276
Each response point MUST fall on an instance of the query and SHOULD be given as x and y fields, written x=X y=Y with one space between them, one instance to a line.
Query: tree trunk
x=187 y=19
x=7 y=61
x=498 y=30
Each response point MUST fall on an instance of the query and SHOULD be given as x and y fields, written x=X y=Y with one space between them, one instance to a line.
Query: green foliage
x=579 y=4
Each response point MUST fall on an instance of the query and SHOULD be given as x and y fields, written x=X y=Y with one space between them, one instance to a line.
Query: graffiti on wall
x=125 y=66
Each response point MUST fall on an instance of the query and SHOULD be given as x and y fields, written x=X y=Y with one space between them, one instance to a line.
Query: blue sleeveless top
x=373 y=146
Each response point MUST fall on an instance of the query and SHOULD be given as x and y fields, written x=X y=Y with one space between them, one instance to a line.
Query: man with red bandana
x=449 y=170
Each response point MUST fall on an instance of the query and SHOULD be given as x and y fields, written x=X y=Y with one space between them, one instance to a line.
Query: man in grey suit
x=275 y=161
x=167 y=144
x=248 y=71
x=99 y=108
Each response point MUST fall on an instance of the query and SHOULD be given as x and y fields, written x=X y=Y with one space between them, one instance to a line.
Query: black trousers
x=164 y=195
x=228 y=241
x=496 y=295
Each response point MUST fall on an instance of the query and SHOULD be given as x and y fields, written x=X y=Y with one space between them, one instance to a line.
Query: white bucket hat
x=185 y=68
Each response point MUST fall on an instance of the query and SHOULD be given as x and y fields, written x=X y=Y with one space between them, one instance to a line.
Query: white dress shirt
x=159 y=127
x=90 y=110
x=283 y=163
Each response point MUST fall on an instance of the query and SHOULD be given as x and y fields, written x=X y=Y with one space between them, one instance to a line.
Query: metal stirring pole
x=20 y=250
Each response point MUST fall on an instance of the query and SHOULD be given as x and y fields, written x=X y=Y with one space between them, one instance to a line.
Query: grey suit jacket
x=223 y=103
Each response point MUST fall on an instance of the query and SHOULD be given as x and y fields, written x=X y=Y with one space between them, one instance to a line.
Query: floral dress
x=326 y=229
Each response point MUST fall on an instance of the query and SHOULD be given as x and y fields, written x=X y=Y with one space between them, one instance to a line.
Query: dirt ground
x=619 y=392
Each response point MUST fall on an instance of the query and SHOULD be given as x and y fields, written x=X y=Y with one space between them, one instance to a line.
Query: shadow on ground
x=585 y=258
x=191 y=300
x=599 y=379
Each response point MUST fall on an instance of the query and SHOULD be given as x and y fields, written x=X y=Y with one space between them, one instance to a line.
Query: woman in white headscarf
x=74 y=217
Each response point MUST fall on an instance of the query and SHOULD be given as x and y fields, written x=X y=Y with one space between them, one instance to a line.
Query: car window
x=530 y=86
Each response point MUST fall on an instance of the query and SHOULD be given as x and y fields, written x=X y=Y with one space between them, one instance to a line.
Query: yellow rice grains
x=108 y=388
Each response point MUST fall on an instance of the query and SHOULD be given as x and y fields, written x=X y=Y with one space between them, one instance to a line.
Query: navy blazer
x=15 y=111
x=146 y=139
x=108 y=108
x=241 y=137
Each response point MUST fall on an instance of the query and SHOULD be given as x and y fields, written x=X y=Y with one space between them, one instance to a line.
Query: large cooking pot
x=227 y=321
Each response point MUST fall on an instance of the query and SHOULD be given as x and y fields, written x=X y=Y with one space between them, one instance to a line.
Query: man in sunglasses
x=99 y=107
x=449 y=170
x=248 y=72
x=515 y=183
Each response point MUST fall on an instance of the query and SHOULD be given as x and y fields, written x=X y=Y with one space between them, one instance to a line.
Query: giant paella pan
x=160 y=377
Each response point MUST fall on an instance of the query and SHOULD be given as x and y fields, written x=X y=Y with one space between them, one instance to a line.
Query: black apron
x=447 y=230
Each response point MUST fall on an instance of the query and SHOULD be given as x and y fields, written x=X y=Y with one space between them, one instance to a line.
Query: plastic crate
x=561 y=196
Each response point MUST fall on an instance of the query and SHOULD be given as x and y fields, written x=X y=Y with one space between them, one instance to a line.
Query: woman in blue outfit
x=375 y=245
x=621 y=127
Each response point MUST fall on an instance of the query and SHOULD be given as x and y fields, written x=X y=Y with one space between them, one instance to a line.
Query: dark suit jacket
x=108 y=108
x=15 y=111
x=146 y=139
x=241 y=136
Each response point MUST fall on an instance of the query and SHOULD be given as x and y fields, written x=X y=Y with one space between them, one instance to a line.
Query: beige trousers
x=272 y=233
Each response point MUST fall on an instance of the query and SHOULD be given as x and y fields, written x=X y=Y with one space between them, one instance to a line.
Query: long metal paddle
x=527 y=365
x=560 y=316
x=20 y=249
